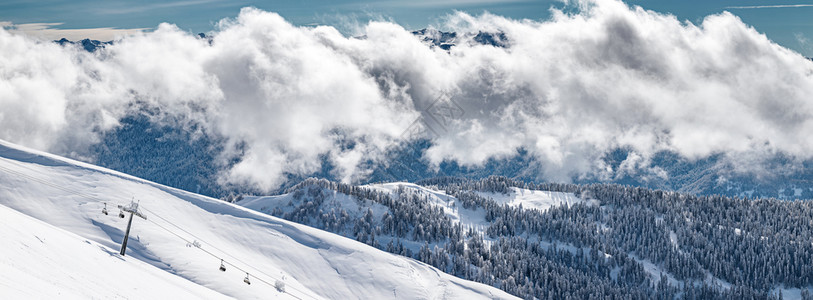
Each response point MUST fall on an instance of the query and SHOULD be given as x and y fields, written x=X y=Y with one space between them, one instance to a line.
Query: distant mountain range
x=87 y=44
x=434 y=37
x=447 y=40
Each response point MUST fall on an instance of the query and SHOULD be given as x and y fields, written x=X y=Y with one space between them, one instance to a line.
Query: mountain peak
x=86 y=44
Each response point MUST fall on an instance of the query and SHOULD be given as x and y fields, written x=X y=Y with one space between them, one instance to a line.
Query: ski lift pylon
x=246 y=280
x=222 y=267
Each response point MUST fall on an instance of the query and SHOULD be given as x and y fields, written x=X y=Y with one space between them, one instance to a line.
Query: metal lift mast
x=133 y=210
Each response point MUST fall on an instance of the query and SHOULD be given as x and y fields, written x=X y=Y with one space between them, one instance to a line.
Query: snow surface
x=656 y=271
x=791 y=293
x=76 y=253
x=474 y=218
x=533 y=199
x=41 y=261
x=469 y=218
x=528 y=199
x=455 y=211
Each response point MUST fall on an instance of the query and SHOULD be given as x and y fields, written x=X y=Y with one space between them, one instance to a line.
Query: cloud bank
x=568 y=90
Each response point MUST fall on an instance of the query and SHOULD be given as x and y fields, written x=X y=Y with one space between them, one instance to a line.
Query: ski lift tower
x=132 y=208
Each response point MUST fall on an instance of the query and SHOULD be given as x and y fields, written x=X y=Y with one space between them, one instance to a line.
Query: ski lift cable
x=53 y=185
x=223 y=261
x=56 y=186
x=78 y=193
x=111 y=198
x=198 y=239
x=45 y=182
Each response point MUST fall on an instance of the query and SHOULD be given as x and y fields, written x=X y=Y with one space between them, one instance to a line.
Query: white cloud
x=567 y=90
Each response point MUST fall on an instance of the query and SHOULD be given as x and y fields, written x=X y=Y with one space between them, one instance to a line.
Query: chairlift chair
x=104 y=210
x=121 y=214
x=222 y=267
x=246 y=280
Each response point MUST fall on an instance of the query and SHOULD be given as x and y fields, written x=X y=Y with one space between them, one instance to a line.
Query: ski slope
x=58 y=243
x=42 y=261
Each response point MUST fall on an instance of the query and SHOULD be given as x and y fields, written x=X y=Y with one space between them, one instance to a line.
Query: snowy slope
x=39 y=255
x=532 y=199
x=311 y=263
x=469 y=218
x=529 y=199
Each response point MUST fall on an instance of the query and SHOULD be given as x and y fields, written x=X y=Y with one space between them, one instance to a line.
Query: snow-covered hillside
x=56 y=241
x=620 y=239
x=469 y=218
x=531 y=199
x=42 y=261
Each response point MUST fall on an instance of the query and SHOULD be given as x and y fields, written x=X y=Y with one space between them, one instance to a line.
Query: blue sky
x=789 y=23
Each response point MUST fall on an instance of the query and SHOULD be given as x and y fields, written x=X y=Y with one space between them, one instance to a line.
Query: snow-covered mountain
x=86 y=44
x=451 y=207
x=554 y=241
x=58 y=243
